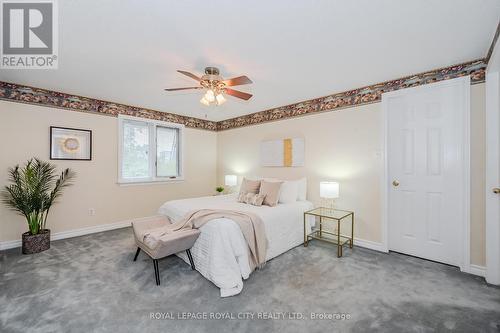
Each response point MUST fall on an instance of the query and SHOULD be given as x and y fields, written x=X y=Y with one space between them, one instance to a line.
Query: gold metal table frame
x=328 y=236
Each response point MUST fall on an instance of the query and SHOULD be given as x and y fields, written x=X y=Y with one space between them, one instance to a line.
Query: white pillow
x=289 y=192
x=287 y=188
x=302 y=189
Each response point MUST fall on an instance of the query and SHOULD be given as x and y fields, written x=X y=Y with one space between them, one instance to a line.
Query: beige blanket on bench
x=250 y=224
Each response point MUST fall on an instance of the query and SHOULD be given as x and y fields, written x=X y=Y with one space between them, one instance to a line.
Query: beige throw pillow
x=241 y=197
x=251 y=198
x=249 y=186
x=271 y=190
x=255 y=199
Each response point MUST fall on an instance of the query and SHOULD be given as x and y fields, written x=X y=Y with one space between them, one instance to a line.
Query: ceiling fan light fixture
x=216 y=87
x=220 y=99
x=204 y=101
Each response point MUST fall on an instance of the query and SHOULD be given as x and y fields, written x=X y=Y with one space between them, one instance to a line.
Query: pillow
x=302 y=193
x=255 y=199
x=249 y=186
x=242 y=197
x=289 y=192
x=272 y=191
x=251 y=198
x=301 y=189
x=274 y=180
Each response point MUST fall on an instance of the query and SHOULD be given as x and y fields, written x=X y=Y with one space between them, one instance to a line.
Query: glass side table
x=338 y=238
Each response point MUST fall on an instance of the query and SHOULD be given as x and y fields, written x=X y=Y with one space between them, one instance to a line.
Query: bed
x=221 y=253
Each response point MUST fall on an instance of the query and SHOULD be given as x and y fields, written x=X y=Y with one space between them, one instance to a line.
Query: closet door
x=493 y=174
x=427 y=159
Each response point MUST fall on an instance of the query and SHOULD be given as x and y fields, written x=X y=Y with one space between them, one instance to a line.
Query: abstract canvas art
x=282 y=153
x=70 y=144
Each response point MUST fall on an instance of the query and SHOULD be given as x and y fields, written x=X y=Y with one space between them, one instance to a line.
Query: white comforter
x=221 y=253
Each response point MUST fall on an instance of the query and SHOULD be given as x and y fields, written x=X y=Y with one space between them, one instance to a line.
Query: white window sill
x=150 y=182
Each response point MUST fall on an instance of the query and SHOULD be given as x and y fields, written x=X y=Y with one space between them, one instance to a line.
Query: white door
x=493 y=174
x=427 y=169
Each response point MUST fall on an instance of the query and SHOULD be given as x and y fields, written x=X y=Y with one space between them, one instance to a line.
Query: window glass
x=167 y=155
x=135 y=159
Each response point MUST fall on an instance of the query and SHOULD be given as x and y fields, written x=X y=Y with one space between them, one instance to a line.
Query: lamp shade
x=230 y=180
x=204 y=101
x=329 y=190
x=209 y=96
x=220 y=99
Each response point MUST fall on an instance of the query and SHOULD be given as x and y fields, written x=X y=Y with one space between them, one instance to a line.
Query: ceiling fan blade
x=237 y=81
x=174 y=89
x=191 y=75
x=238 y=94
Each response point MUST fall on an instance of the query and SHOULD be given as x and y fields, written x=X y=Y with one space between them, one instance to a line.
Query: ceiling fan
x=216 y=86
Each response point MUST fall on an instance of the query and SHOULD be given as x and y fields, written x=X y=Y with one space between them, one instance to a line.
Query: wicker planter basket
x=36 y=243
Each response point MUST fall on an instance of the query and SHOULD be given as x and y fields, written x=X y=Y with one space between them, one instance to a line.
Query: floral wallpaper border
x=370 y=94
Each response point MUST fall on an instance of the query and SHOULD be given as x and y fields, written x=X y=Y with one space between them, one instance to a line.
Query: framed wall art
x=70 y=144
x=282 y=153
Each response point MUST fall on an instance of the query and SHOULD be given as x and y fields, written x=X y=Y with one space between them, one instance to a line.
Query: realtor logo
x=29 y=34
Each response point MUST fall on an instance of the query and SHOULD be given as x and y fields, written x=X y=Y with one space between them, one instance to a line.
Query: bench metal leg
x=190 y=258
x=157 y=271
x=137 y=253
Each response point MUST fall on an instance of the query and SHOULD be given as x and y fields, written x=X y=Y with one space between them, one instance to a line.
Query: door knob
x=395 y=183
x=496 y=190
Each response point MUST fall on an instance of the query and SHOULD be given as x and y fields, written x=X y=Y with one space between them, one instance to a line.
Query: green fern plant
x=34 y=188
x=219 y=189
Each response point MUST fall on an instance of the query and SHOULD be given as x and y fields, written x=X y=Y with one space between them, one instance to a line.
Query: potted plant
x=33 y=189
x=219 y=190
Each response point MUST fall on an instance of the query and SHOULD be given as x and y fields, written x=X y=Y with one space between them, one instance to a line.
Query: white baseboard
x=71 y=233
x=369 y=245
x=472 y=269
x=9 y=244
x=477 y=270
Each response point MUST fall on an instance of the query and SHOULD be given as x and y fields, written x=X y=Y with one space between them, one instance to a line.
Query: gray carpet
x=91 y=284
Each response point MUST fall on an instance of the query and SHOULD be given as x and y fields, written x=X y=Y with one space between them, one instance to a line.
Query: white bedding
x=221 y=253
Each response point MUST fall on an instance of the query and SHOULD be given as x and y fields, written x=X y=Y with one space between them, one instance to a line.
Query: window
x=150 y=151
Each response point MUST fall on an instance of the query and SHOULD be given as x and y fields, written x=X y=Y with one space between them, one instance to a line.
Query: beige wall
x=346 y=146
x=24 y=133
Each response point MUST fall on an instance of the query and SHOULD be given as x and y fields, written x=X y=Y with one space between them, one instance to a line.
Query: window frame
x=152 y=153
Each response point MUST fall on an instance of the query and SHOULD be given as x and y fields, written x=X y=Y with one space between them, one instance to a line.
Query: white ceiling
x=127 y=51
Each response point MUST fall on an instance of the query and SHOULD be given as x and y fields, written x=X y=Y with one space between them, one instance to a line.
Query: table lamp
x=230 y=180
x=329 y=191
